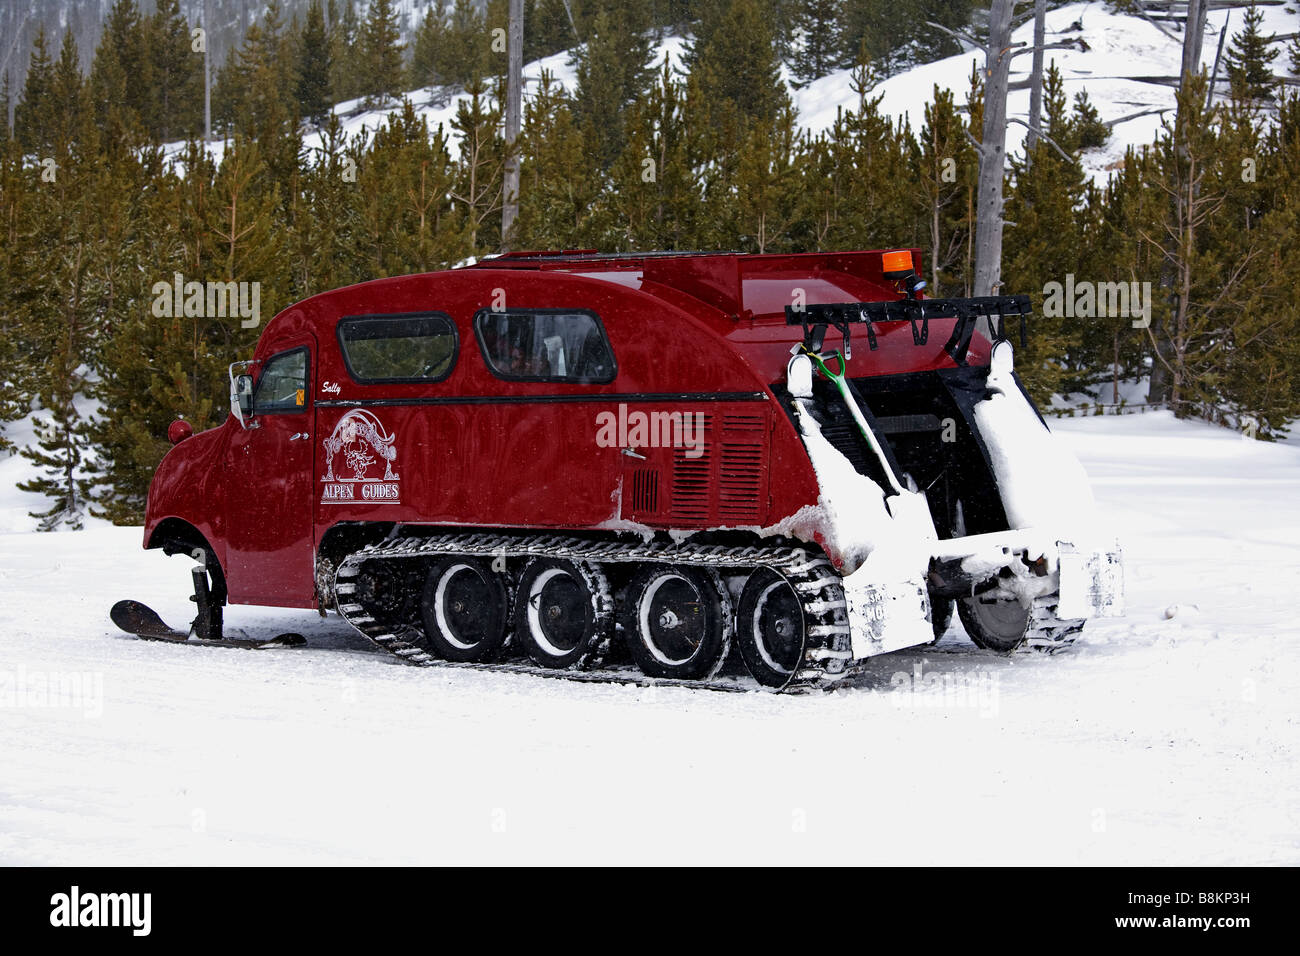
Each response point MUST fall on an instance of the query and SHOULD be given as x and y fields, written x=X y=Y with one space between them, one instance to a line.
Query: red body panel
x=697 y=334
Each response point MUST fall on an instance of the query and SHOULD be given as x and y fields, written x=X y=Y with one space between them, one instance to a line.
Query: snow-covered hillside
x=1115 y=47
x=1169 y=736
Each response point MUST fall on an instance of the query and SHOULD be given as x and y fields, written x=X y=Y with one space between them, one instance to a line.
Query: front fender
x=190 y=485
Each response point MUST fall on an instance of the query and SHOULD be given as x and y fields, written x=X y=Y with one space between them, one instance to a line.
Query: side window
x=283 y=385
x=398 y=348
x=544 y=345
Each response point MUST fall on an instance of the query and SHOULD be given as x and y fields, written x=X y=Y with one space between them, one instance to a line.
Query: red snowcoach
x=624 y=464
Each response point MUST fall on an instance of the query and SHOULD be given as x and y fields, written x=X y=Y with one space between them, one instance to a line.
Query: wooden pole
x=514 y=104
x=993 y=151
x=1036 y=75
x=1193 y=36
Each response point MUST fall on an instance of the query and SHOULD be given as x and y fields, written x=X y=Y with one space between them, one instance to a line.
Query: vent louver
x=740 y=480
x=645 y=491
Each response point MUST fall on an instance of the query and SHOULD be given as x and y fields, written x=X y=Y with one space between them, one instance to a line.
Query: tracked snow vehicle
x=626 y=465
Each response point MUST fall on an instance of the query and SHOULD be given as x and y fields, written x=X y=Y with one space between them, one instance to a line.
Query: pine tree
x=1127 y=209
x=121 y=75
x=768 y=186
x=429 y=41
x=1250 y=59
x=327 y=221
x=346 y=60
x=478 y=185
x=547 y=29
x=895 y=34
x=1256 y=307
x=381 y=45
x=67 y=99
x=314 y=91
x=1087 y=131
x=612 y=69
x=6 y=95
x=62 y=441
x=256 y=100
x=949 y=169
x=857 y=166
x=820 y=46
x=406 y=216
x=676 y=15
x=1049 y=242
x=734 y=59
x=560 y=185
x=15 y=197
x=467 y=54
x=1204 y=288
x=64 y=281
x=137 y=385
x=247 y=231
x=656 y=198
x=33 y=117
x=177 y=75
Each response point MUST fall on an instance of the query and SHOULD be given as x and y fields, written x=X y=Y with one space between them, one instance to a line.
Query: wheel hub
x=668 y=620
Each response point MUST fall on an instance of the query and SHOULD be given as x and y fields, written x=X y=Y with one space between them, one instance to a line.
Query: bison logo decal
x=354 y=453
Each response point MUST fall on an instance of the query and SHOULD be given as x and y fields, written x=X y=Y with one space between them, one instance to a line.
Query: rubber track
x=827 y=654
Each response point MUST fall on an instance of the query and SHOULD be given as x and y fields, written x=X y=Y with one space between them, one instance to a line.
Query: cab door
x=271 y=548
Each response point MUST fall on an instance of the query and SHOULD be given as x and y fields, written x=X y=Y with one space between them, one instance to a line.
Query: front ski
x=144 y=622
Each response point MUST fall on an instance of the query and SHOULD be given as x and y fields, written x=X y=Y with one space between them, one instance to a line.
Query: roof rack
x=816 y=319
x=593 y=255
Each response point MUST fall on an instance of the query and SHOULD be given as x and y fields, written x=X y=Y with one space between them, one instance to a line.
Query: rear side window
x=283 y=385
x=545 y=345
x=398 y=348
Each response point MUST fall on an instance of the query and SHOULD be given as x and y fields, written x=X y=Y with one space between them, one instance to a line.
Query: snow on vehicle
x=622 y=465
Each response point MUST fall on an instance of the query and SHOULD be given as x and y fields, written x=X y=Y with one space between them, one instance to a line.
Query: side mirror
x=244 y=393
x=241 y=395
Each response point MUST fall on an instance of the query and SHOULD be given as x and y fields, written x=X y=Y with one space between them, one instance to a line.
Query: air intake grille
x=645 y=492
x=692 y=477
x=740 y=481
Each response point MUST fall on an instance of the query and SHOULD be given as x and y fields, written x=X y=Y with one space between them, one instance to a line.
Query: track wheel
x=564 y=613
x=770 y=628
x=465 y=609
x=677 y=621
x=383 y=589
x=995 y=624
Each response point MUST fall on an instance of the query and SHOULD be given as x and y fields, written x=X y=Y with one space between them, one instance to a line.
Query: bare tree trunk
x=514 y=102
x=993 y=152
x=1193 y=36
x=1036 y=76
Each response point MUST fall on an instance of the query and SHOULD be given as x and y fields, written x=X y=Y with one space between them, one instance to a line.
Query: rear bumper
x=1024 y=565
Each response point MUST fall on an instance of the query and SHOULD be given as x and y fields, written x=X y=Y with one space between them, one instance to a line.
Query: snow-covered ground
x=1169 y=736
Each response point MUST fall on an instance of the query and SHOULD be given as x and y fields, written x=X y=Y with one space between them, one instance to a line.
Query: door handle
x=633 y=453
x=296 y=435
